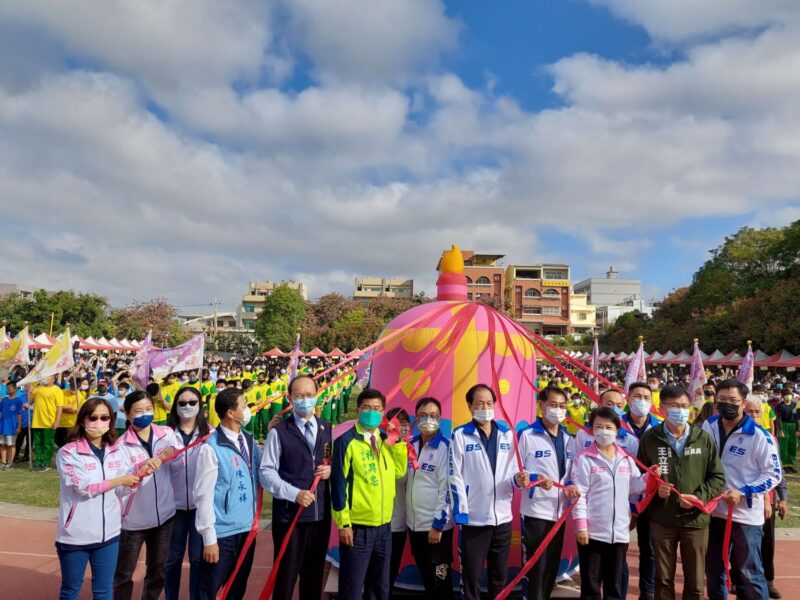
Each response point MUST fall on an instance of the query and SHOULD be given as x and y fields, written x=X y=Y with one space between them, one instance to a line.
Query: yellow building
x=582 y=315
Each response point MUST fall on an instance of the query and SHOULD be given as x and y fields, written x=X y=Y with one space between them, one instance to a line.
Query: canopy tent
x=779 y=357
x=760 y=358
x=42 y=341
x=275 y=352
x=315 y=353
x=336 y=353
x=354 y=352
x=715 y=358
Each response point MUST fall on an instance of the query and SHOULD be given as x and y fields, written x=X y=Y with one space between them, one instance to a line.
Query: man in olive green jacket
x=689 y=461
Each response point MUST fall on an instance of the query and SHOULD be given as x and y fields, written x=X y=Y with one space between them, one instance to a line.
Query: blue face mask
x=370 y=418
x=678 y=416
x=304 y=406
x=143 y=421
x=619 y=411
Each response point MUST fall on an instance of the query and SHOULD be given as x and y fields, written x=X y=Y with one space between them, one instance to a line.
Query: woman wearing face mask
x=428 y=511
x=607 y=479
x=189 y=423
x=399 y=534
x=94 y=473
x=547 y=450
x=148 y=514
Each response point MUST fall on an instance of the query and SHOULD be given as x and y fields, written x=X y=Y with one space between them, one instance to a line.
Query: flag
x=141 y=363
x=697 y=376
x=745 y=374
x=185 y=357
x=14 y=354
x=4 y=343
x=295 y=359
x=595 y=365
x=636 y=369
x=57 y=360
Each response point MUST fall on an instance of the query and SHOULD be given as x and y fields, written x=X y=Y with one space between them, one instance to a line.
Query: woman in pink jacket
x=608 y=480
x=94 y=472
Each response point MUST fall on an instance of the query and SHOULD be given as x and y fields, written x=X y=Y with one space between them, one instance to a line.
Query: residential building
x=538 y=296
x=608 y=315
x=257 y=292
x=26 y=291
x=582 y=315
x=610 y=290
x=485 y=275
x=374 y=287
x=220 y=323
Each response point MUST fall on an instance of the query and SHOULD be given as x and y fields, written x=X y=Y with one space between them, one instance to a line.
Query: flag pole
x=29 y=395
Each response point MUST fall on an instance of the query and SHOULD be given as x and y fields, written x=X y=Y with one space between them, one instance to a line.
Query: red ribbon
x=269 y=586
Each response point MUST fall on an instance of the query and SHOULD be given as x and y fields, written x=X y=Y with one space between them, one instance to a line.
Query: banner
x=745 y=374
x=697 y=377
x=14 y=354
x=140 y=368
x=186 y=357
x=636 y=370
x=57 y=360
x=595 y=366
x=293 y=361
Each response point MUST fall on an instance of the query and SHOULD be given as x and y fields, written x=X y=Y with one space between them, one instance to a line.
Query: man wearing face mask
x=752 y=468
x=625 y=439
x=787 y=431
x=547 y=450
x=482 y=459
x=226 y=492
x=294 y=455
x=689 y=461
x=428 y=511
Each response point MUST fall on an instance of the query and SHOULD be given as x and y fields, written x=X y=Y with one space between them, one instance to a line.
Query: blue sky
x=183 y=150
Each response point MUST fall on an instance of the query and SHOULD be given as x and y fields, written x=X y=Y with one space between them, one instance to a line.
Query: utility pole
x=215 y=314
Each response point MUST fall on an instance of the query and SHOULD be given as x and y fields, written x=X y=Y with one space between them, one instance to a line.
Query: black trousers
x=214 y=576
x=433 y=562
x=601 y=566
x=156 y=541
x=304 y=558
x=398 y=547
x=542 y=576
x=768 y=548
x=484 y=543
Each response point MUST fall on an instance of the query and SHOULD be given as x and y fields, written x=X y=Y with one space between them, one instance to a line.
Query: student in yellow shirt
x=577 y=412
x=169 y=391
x=212 y=417
x=160 y=407
x=73 y=400
x=48 y=401
x=654 y=383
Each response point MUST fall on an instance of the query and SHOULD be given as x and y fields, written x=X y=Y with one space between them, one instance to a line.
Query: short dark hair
x=733 y=384
x=545 y=394
x=226 y=400
x=475 y=389
x=642 y=385
x=247 y=384
x=398 y=412
x=135 y=397
x=153 y=389
x=370 y=394
x=604 y=412
x=672 y=391
x=428 y=400
x=291 y=383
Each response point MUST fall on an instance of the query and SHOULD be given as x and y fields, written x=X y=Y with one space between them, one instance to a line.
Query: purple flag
x=186 y=357
x=141 y=365
x=595 y=365
x=295 y=358
x=745 y=374
x=697 y=376
x=636 y=369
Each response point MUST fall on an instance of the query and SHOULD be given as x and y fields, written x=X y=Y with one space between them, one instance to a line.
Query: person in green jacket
x=689 y=461
x=363 y=474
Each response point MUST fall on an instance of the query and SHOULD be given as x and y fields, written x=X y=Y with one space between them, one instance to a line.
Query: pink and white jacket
x=90 y=511
x=153 y=502
x=607 y=487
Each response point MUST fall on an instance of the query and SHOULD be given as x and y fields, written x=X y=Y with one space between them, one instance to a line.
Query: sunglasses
x=93 y=418
x=187 y=402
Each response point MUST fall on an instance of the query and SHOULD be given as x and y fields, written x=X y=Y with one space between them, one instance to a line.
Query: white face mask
x=96 y=431
x=555 y=415
x=605 y=437
x=188 y=411
x=640 y=407
x=483 y=415
x=246 y=416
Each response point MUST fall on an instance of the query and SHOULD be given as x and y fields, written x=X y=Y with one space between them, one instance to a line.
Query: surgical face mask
x=188 y=411
x=246 y=416
x=483 y=415
x=576 y=401
x=728 y=411
x=678 y=416
x=143 y=421
x=618 y=410
x=305 y=406
x=640 y=407
x=605 y=437
x=95 y=431
x=555 y=415
x=428 y=425
x=370 y=419
x=85 y=387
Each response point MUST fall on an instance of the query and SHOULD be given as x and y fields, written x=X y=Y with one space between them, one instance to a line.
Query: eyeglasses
x=187 y=402
x=95 y=418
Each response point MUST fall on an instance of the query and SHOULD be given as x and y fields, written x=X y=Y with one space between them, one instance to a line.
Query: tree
x=280 y=320
x=86 y=314
x=156 y=315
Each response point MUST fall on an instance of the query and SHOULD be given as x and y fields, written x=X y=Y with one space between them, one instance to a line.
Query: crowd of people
x=647 y=459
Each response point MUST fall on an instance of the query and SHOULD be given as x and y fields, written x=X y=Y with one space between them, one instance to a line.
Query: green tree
x=280 y=320
x=156 y=315
x=87 y=314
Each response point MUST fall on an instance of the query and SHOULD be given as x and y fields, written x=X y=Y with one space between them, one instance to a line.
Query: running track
x=29 y=566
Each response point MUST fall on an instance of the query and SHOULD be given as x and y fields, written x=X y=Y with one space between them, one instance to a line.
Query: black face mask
x=708 y=393
x=728 y=411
